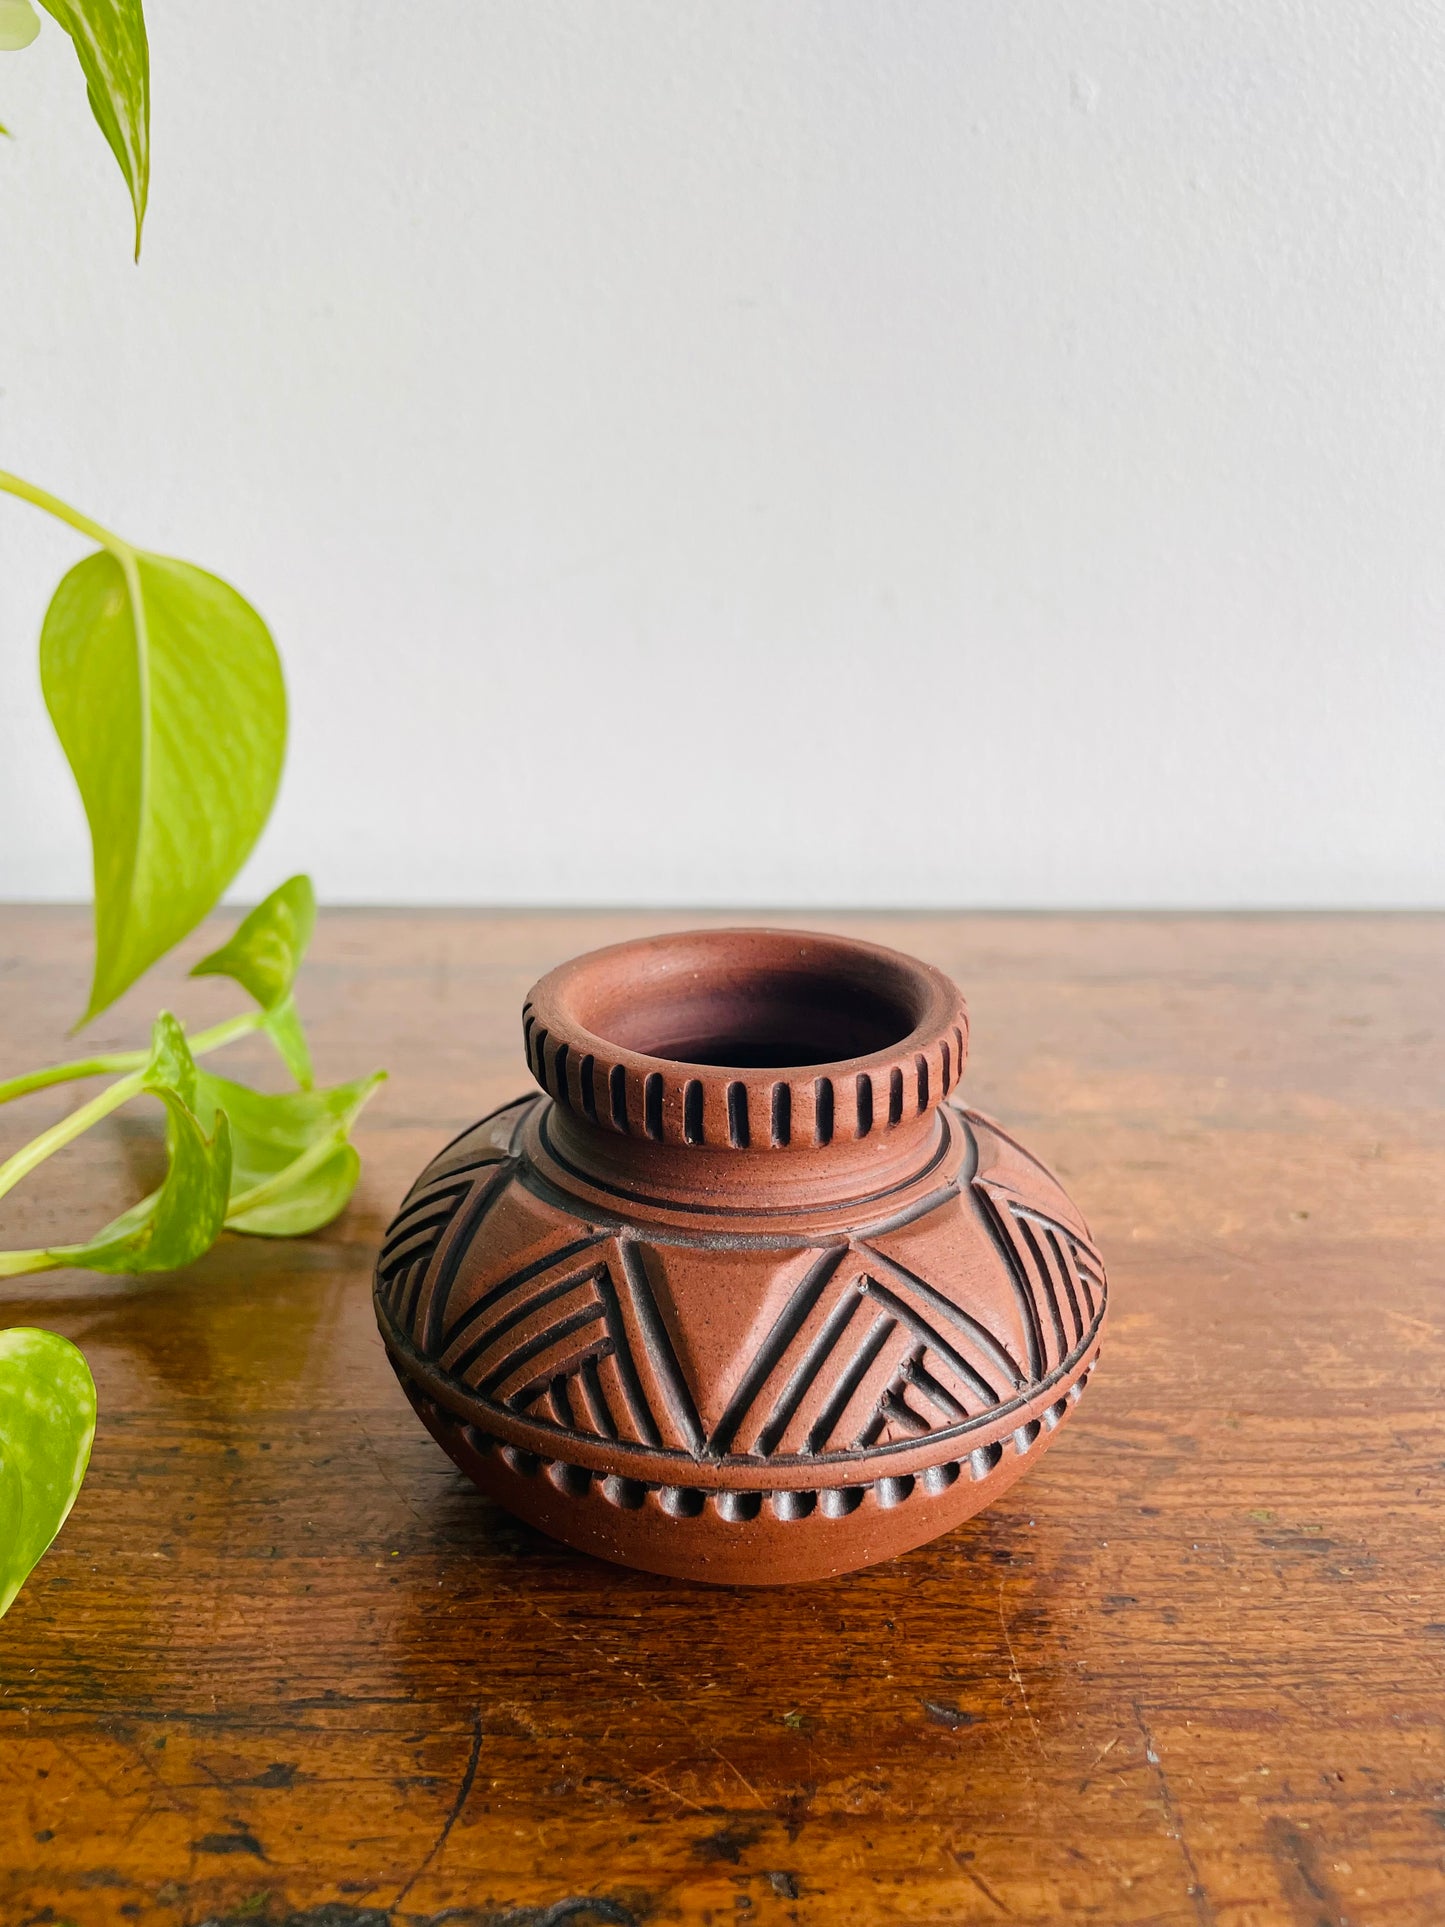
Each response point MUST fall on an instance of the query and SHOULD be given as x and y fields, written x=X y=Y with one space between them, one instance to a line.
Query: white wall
x=768 y=451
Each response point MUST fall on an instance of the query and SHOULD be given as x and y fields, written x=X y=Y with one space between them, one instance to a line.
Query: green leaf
x=110 y=42
x=19 y=24
x=179 y=1223
x=292 y=1168
x=165 y=690
x=47 y=1423
x=263 y=956
x=265 y=952
x=301 y=1200
x=170 y=1068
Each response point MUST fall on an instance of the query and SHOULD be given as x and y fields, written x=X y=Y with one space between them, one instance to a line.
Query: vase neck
x=731 y=1063
x=687 y=1176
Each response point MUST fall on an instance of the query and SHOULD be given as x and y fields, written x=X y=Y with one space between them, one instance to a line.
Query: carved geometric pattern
x=862 y=1349
x=531 y=1328
x=838 y=1350
x=418 y=1229
x=791 y=1503
x=792 y=1109
x=1057 y=1273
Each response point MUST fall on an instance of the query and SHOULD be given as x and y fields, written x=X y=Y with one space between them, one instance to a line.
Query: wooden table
x=283 y=1664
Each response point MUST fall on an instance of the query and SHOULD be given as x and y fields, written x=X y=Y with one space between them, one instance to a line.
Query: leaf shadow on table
x=235 y=1322
x=251 y=1314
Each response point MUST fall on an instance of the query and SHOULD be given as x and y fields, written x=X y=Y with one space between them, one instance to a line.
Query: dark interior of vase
x=759 y=1019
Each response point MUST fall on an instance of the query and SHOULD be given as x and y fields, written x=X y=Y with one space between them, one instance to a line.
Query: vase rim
x=746 y=1038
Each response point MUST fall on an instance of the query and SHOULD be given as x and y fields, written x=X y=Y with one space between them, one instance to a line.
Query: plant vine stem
x=127 y=1060
x=117 y=1061
x=14 y=1264
x=41 y=498
x=69 y=1128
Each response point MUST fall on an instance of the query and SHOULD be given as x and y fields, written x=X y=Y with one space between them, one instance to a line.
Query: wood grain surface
x=284 y=1665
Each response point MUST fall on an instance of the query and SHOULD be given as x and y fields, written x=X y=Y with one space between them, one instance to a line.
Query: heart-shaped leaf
x=19 y=24
x=292 y=1168
x=165 y=690
x=263 y=956
x=47 y=1423
x=266 y=949
x=110 y=41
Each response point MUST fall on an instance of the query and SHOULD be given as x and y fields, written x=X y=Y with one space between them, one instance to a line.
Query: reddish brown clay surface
x=744 y=1296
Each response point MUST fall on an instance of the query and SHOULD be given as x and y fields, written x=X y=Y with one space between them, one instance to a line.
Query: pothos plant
x=166 y=693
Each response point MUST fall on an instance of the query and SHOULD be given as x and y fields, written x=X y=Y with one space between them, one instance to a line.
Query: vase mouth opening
x=766 y=1025
x=760 y=1018
x=748 y=1000
x=738 y=1040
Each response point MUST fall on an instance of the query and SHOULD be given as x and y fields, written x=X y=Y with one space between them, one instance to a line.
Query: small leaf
x=110 y=42
x=263 y=956
x=47 y=1423
x=177 y=1224
x=182 y=1220
x=19 y=24
x=165 y=690
x=265 y=951
x=292 y=1169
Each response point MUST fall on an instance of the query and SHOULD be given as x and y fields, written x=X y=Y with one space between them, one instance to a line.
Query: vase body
x=742 y=1293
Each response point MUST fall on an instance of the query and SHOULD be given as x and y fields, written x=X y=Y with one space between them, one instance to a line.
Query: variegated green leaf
x=263 y=956
x=293 y=1168
x=47 y=1423
x=110 y=42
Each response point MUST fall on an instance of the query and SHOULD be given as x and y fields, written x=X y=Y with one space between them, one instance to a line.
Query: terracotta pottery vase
x=743 y=1296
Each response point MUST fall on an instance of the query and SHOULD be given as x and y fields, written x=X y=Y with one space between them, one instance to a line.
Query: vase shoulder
x=902 y=1345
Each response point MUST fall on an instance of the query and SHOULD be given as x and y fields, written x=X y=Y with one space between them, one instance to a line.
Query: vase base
x=734 y=1538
